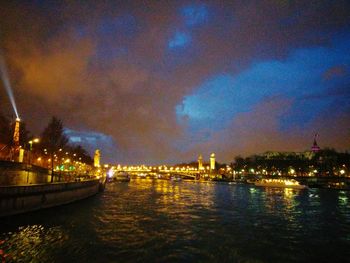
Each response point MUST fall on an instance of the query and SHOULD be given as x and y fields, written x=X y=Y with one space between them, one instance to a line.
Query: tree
x=239 y=162
x=53 y=139
x=81 y=154
x=24 y=134
x=5 y=130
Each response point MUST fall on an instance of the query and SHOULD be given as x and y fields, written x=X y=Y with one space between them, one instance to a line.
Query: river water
x=163 y=221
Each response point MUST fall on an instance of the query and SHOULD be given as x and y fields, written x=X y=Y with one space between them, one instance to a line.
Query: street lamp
x=35 y=140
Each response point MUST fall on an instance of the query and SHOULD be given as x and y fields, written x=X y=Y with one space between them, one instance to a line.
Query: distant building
x=200 y=163
x=212 y=162
x=97 y=157
x=315 y=148
x=284 y=155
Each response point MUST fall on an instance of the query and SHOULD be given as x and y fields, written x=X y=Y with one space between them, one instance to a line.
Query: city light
x=200 y=131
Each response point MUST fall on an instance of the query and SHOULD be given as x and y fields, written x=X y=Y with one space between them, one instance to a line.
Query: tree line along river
x=163 y=221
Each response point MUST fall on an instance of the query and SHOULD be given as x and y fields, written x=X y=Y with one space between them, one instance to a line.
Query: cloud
x=335 y=72
x=108 y=68
x=93 y=141
x=300 y=75
x=194 y=14
x=180 y=39
x=259 y=130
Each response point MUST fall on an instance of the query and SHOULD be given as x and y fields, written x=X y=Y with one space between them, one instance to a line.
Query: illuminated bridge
x=183 y=172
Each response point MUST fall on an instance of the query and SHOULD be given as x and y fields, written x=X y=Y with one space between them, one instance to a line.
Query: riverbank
x=26 y=198
x=326 y=182
x=335 y=182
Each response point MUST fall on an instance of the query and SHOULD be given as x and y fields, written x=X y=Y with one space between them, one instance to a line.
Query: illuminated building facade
x=200 y=163
x=212 y=162
x=97 y=158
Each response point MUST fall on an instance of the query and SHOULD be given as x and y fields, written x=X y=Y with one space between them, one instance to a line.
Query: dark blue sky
x=162 y=81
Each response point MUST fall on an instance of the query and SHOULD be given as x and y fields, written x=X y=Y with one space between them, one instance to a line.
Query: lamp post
x=35 y=140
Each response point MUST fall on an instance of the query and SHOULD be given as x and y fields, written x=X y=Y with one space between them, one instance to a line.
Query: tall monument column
x=200 y=163
x=97 y=157
x=212 y=162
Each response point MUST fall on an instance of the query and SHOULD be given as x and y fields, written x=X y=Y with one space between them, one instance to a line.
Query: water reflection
x=32 y=243
x=343 y=199
x=158 y=220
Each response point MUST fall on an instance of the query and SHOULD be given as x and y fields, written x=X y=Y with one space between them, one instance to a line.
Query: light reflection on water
x=32 y=242
x=160 y=221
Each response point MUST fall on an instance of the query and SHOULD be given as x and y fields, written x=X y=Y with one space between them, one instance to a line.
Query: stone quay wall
x=12 y=173
x=26 y=198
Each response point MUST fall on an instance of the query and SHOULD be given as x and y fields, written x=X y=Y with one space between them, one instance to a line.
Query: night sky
x=162 y=81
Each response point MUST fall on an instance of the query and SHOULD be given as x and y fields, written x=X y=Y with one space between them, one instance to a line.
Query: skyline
x=163 y=82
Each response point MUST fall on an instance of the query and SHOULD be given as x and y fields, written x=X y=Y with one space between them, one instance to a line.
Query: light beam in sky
x=7 y=84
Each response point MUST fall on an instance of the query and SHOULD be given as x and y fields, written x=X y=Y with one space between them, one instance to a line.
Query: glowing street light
x=35 y=140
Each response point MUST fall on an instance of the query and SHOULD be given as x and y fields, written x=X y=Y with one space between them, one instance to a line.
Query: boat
x=250 y=181
x=121 y=177
x=142 y=175
x=289 y=183
x=175 y=178
x=161 y=177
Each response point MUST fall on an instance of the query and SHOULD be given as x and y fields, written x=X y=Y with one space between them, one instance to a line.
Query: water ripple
x=162 y=221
